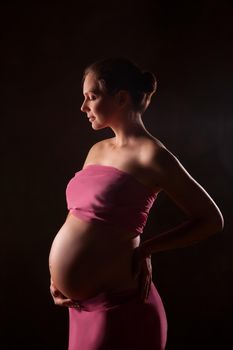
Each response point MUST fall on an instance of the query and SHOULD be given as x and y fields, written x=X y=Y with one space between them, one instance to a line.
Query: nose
x=84 y=107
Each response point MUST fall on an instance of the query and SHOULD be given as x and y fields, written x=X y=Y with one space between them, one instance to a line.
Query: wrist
x=143 y=251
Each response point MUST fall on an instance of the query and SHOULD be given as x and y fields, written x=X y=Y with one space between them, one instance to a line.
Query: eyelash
x=92 y=98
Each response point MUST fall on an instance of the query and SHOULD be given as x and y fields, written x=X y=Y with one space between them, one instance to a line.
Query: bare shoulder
x=162 y=161
x=99 y=145
x=165 y=165
x=151 y=148
x=177 y=182
x=95 y=151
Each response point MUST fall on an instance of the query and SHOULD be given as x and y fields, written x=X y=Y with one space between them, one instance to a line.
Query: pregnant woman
x=99 y=269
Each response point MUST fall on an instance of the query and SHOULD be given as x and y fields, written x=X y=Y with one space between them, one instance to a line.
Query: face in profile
x=98 y=105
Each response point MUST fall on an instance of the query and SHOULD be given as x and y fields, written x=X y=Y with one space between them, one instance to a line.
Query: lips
x=91 y=118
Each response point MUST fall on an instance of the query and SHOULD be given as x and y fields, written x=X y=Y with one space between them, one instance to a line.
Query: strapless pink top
x=107 y=194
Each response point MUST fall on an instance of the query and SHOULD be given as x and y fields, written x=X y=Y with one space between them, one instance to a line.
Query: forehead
x=90 y=84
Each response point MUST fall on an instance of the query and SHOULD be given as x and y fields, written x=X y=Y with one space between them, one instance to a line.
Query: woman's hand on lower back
x=142 y=270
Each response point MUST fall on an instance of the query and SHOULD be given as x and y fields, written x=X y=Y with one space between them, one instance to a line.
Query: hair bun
x=148 y=82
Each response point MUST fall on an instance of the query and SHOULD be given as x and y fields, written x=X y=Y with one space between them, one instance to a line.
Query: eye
x=92 y=98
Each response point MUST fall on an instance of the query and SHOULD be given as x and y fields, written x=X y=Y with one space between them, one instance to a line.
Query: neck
x=128 y=128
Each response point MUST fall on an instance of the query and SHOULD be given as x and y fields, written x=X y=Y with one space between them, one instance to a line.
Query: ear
x=122 y=98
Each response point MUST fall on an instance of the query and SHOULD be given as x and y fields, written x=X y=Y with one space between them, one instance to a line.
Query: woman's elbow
x=216 y=222
x=212 y=221
x=220 y=222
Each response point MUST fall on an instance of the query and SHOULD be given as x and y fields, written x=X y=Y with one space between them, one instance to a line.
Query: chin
x=97 y=126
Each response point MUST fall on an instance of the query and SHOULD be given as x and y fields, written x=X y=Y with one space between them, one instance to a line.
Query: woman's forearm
x=187 y=233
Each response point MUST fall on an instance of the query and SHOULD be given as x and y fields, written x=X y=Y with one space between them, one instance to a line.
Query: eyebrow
x=94 y=91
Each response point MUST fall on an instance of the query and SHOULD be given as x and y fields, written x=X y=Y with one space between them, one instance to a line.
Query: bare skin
x=109 y=259
x=92 y=265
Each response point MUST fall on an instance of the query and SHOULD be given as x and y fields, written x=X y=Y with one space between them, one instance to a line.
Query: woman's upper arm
x=182 y=188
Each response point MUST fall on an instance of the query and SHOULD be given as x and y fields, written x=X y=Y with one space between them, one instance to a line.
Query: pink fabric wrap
x=105 y=193
x=119 y=321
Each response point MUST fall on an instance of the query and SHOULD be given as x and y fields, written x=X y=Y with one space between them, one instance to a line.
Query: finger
x=72 y=303
x=75 y=305
x=52 y=288
x=148 y=288
x=137 y=270
x=56 y=294
x=145 y=288
x=63 y=302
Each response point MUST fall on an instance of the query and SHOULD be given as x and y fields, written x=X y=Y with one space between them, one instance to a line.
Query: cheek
x=104 y=109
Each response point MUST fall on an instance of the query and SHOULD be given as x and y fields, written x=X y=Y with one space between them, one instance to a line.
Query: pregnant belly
x=84 y=258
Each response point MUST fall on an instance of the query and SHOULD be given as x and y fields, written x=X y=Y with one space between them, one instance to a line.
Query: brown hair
x=122 y=74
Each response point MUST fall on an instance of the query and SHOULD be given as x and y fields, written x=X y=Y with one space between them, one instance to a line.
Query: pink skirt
x=119 y=321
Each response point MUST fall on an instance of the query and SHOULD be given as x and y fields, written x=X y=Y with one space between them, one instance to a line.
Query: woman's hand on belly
x=59 y=298
x=81 y=264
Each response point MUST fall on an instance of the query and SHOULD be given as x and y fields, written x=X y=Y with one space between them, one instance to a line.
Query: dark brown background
x=45 y=139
